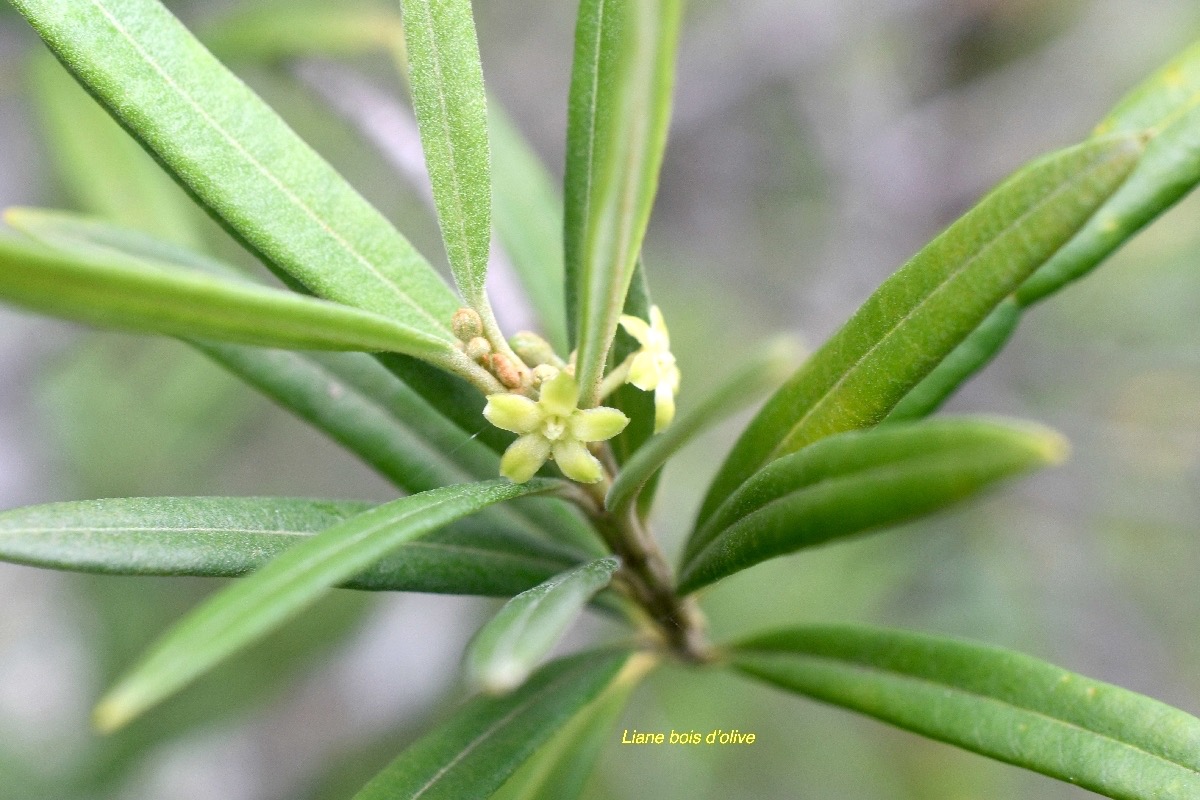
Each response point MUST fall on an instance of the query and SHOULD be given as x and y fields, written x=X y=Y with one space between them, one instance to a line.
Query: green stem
x=645 y=575
x=615 y=379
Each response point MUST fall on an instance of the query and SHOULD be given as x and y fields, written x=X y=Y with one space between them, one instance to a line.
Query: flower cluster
x=553 y=426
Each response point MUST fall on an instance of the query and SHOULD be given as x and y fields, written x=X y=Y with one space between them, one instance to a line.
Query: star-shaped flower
x=653 y=366
x=552 y=427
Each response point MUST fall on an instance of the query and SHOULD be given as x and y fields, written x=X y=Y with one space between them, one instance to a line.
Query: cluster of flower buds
x=543 y=404
x=468 y=328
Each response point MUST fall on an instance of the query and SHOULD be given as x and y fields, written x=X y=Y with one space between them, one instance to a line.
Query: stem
x=495 y=337
x=615 y=379
x=457 y=363
x=647 y=578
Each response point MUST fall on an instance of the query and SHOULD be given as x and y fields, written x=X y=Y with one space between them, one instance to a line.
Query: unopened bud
x=466 y=324
x=478 y=348
x=504 y=369
x=533 y=349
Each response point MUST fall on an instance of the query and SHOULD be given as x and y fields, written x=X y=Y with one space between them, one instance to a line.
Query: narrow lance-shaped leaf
x=103 y=170
x=924 y=310
x=69 y=232
x=975 y=352
x=995 y=702
x=527 y=210
x=760 y=374
x=351 y=397
x=232 y=536
x=561 y=768
x=470 y=755
x=511 y=645
x=240 y=159
x=1167 y=108
x=858 y=481
x=142 y=296
x=618 y=111
x=255 y=605
x=447 y=91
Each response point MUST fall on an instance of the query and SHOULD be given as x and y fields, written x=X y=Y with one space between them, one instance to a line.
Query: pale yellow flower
x=552 y=427
x=653 y=368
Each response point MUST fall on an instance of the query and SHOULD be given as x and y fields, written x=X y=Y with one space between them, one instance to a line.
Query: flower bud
x=533 y=349
x=478 y=348
x=504 y=369
x=466 y=324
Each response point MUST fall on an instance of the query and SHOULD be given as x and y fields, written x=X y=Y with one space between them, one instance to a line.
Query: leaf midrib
x=985 y=249
x=583 y=314
x=905 y=676
x=505 y=646
x=274 y=180
x=494 y=727
x=456 y=194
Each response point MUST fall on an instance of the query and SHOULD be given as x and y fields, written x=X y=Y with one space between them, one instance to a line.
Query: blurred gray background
x=816 y=146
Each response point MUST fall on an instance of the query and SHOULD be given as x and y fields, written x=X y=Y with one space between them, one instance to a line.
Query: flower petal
x=643 y=371
x=596 y=424
x=637 y=328
x=560 y=395
x=576 y=462
x=664 y=406
x=512 y=412
x=659 y=324
x=524 y=458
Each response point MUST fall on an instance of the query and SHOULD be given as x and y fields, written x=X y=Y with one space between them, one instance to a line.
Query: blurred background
x=816 y=145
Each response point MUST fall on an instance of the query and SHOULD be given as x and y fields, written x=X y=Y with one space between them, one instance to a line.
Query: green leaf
x=281 y=32
x=87 y=236
x=362 y=404
x=232 y=536
x=995 y=702
x=561 y=768
x=447 y=92
x=119 y=618
x=930 y=305
x=1167 y=109
x=857 y=481
x=511 y=645
x=527 y=211
x=617 y=117
x=255 y=605
x=975 y=352
x=473 y=752
x=103 y=170
x=240 y=160
x=761 y=373
x=138 y=295
x=528 y=218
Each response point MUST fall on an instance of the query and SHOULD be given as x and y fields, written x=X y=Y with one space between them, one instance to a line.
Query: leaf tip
x=12 y=215
x=500 y=677
x=1052 y=447
x=111 y=714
